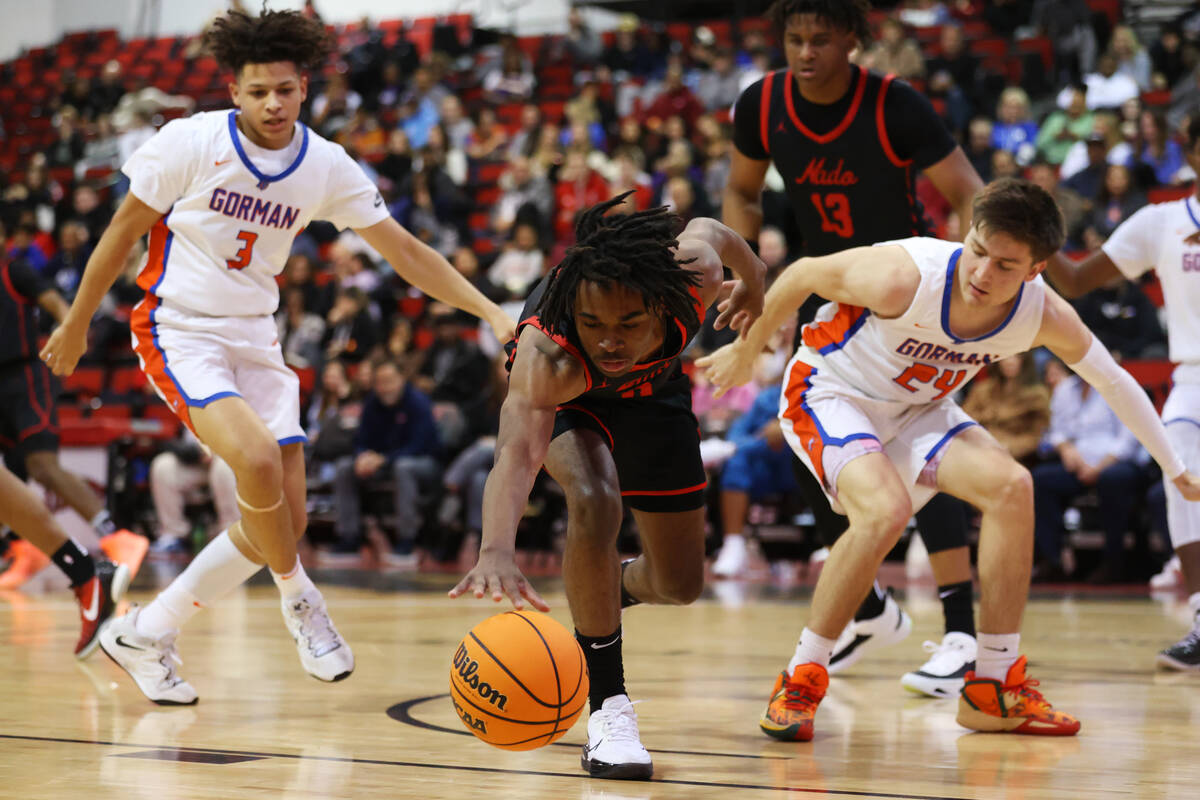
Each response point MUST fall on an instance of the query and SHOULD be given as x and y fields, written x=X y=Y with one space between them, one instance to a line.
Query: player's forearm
x=737 y=255
x=742 y=213
x=102 y=270
x=785 y=296
x=505 y=496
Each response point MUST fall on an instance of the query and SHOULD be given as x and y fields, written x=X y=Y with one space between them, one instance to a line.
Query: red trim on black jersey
x=559 y=340
x=764 y=111
x=882 y=128
x=843 y=125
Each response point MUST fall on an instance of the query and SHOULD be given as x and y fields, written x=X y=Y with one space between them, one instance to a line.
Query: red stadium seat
x=1040 y=45
x=85 y=381
x=126 y=380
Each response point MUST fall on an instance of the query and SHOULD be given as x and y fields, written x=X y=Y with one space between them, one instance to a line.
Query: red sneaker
x=98 y=598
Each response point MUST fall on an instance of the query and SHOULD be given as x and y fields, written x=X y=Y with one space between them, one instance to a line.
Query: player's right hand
x=728 y=366
x=498 y=574
x=1189 y=486
x=63 y=349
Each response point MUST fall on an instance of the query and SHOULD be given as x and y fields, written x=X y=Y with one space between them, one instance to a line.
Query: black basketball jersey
x=850 y=168
x=20 y=287
x=660 y=375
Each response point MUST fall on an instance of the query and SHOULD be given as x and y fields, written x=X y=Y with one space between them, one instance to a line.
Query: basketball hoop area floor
x=264 y=729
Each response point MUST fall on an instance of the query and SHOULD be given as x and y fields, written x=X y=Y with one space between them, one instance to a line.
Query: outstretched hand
x=63 y=350
x=739 y=307
x=499 y=576
x=729 y=366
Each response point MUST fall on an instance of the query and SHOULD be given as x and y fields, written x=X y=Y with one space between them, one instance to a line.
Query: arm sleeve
x=352 y=200
x=160 y=170
x=1134 y=245
x=1130 y=404
x=27 y=281
x=915 y=130
x=747 y=125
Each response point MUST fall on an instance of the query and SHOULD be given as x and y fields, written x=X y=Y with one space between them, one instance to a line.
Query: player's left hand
x=727 y=367
x=1189 y=486
x=740 y=309
x=503 y=326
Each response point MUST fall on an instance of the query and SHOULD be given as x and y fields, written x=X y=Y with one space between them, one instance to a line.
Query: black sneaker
x=1184 y=654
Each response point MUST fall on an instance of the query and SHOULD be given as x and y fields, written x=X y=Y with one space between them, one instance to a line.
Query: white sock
x=293 y=584
x=736 y=539
x=995 y=654
x=214 y=572
x=103 y=523
x=812 y=649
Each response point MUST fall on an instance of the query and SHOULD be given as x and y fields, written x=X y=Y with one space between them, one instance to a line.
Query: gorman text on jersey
x=253 y=209
x=929 y=351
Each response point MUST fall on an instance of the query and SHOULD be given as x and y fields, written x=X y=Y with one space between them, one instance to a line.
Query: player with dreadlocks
x=597 y=396
x=223 y=195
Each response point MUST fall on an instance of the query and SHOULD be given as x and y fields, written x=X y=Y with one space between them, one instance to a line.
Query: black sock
x=873 y=605
x=957 y=606
x=74 y=561
x=627 y=599
x=606 y=671
x=103 y=523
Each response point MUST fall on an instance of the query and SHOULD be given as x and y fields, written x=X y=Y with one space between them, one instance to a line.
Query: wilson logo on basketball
x=468 y=720
x=467 y=667
x=816 y=174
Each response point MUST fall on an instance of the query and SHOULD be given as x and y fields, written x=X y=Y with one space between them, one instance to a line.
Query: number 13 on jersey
x=834 y=209
x=947 y=381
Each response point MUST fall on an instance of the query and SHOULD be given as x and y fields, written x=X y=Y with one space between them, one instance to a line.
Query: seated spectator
x=1073 y=206
x=177 y=474
x=447 y=166
x=488 y=140
x=526 y=198
x=512 y=81
x=521 y=263
x=351 y=333
x=1067 y=23
x=1167 y=58
x=298 y=272
x=1132 y=59
x=65 y=267
x=894 y=52
x=333 y=107
x=396 y=165
x=1004 y=165
x=1116 y=202
x=628 y=56
x=397 y=441
x=88 y=207
x=953 y=76
x=432 y=220
x=459 y=127
x=1065 y=126
x=466 y=261
x=979 y=147
x=584 y=44
x=1088 y=178
x=625 y=174
x=674 y=99
x=300 y=331
x=1107 y=89
x=102 y=150
x=68 y=145
x=417 y=118
x=1123 y=319
x=1161 y=152
x=1015 y=130
x=1013 y=405
x=525 y=139
x=1095 y=450
x=455 y=374
x=24 y=248
x=578 y=187
x=761 y=465
x=425 y=90
x=719 y=87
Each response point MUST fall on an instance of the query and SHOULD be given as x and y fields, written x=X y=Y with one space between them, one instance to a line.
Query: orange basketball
x=518 y=680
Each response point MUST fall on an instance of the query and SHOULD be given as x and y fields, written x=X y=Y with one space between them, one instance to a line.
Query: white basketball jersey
x=1153 y=238
x=232 y=209
x=916 y=358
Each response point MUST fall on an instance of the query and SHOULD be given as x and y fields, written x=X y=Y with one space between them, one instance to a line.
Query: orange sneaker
x=26 y=561
x=126 y=547
x=1015 y=707
x=794 y=701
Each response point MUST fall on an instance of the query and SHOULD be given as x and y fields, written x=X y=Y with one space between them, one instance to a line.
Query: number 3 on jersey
x=246 y=253
x=834 y=209
x=924 y=373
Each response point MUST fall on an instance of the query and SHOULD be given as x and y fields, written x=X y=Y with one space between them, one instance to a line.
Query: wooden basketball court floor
x=264 y=729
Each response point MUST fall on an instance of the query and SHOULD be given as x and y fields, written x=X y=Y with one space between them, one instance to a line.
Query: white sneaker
x=732 y=558
x=324 y=654
x=614 y=749
x=861 y=636
x=150 y=662
x=1170 y=577
x=946 y=670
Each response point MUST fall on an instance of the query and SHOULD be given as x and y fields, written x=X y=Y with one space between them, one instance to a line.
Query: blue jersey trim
x=950 y=434
x=263 y=180
x=826 y=439
x=951 y=267
x=1187 y=204
x=853 y=329
x=302 y=439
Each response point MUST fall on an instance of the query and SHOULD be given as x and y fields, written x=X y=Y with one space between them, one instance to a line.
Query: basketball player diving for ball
x=597 y=396
x=223 y=195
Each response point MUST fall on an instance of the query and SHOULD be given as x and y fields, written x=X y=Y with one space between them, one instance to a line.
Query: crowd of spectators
x=487 y=151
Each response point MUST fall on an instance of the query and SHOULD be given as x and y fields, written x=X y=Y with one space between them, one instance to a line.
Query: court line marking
x=500 y=771
x=401 y=713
